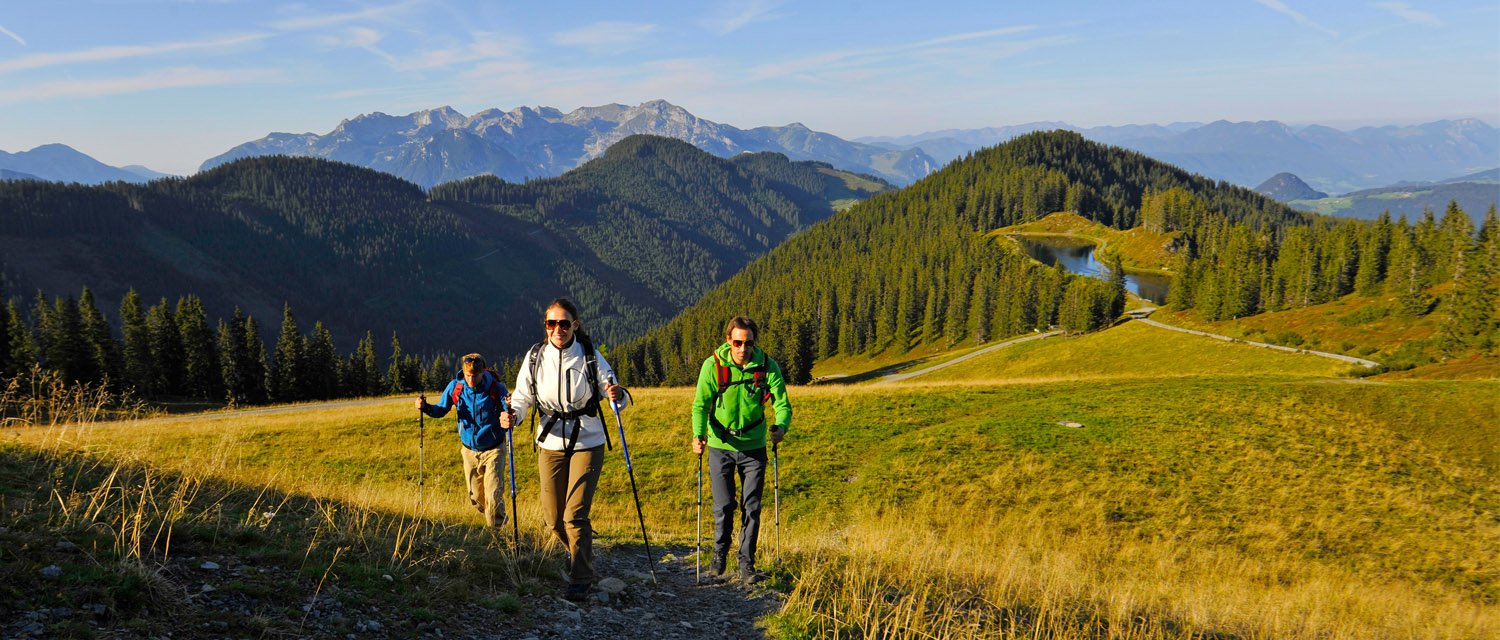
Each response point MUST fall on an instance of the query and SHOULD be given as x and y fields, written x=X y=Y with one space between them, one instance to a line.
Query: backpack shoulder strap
x=721 y=373
x=458 y=389
x=533 y=358
x=591 y=360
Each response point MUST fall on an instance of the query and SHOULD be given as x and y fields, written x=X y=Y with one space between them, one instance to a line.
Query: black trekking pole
x=776 y=492
x=698 y=557
x=421 y=462
x=625 y=449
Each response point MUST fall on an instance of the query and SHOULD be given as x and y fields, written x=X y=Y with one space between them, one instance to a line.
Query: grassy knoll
x=1364 y=326
x=1133 y=350
x=1141 y=249
x=1207 y=506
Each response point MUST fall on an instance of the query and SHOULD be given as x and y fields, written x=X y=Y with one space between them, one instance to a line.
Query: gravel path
x=1323 y=354
x=902 y=376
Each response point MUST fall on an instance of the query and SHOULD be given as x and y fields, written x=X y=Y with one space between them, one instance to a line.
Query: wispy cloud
x=605 y=37
x=1280 y=7
x=12 y=35
x=484 y=47
x=104 y=54
x=163 y=79
x=358 y=38
x=944 y=45
x=1414 y=16
x=752 y=12
x=330 y=19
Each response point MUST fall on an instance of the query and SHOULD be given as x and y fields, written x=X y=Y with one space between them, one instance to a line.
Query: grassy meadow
x=1214 y=490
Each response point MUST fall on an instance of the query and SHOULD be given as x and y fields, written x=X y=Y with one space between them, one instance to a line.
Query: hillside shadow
x=106 y=547
x=873 y=374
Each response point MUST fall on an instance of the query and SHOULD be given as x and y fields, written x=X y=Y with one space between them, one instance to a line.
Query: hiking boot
x=577 y=592
x=748 y=575
x=716 y=567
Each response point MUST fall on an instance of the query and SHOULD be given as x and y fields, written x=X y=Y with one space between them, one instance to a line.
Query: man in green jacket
x=730 y=421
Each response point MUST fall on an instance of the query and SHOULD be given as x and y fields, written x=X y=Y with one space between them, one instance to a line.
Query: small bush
x=1286 y=339
x=1364 y=315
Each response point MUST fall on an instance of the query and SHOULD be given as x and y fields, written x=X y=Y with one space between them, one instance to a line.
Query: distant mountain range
x=633 y=236
x=1247 y=153
x=62 y=163
x=443 y=145
x=1475 y=194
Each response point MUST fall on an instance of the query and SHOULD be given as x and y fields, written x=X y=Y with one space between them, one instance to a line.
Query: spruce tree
x=166 y=349
x=136 y=346
x=322 y=363
x=1407 y=273
x=23 y=350
x=287 y=384
x=393 y=371
x=232 y=357
x=204 y=376
x=5 y=357
x=374 y=385
x=104 y=350
x=1116 y=301
x=1373 y=252
x=257 y=368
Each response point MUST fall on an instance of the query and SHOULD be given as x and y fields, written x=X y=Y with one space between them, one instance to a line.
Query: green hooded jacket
x=740 y=405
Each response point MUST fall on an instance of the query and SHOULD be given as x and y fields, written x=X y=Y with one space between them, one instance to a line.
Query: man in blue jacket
x=480 y=399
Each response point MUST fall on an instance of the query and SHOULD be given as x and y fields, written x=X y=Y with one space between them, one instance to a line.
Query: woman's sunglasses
x=559 y=324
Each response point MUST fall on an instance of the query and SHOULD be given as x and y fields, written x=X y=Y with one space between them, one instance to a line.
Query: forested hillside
x=911 y=267
x=365 y=252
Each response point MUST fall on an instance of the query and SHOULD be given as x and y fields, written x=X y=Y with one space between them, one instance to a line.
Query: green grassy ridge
x=1262 y=471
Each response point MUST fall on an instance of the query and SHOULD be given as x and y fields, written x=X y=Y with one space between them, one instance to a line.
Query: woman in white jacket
x=565 y=380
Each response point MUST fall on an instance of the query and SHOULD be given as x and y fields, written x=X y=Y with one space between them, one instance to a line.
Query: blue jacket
x=478 y=411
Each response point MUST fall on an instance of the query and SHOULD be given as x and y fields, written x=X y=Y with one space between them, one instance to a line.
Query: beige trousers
x=483 y=470
x=568 y=482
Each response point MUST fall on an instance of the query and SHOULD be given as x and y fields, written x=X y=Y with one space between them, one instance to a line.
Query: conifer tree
x=374 y=385
x=104 y=351
x=1455 y=236
x=23 y=350
x=257 y=367
x=322 y=364
x=439 y=372
x=5 y=358
x=232 y=358
x=1116 y=300
x=393 y=372
x=287 y=384
x=1470 y=320
x=1373 y=252
x=1076 y=313
x=1407 y=273
x=135 y=338
x=204 y=375
x=166 y=349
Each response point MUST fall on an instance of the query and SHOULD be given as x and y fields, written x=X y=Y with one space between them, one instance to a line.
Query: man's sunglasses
x=558 y=324
x=470 y=360
x=742 y=343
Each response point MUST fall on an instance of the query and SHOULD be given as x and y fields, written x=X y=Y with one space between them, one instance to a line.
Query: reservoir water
x=1077 y=256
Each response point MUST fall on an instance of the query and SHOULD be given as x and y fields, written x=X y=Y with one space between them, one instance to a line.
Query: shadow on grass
x=877 y=373
x=90 y=546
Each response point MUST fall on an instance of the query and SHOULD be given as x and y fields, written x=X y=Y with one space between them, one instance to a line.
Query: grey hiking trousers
x=750 y=466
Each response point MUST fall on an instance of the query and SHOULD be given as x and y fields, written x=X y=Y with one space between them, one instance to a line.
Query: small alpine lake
x=1076 y=255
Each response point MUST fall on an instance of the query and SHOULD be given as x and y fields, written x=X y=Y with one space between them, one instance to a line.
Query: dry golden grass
x=1211 y=505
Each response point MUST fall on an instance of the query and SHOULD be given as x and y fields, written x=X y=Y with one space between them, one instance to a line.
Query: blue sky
x=169 y=83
